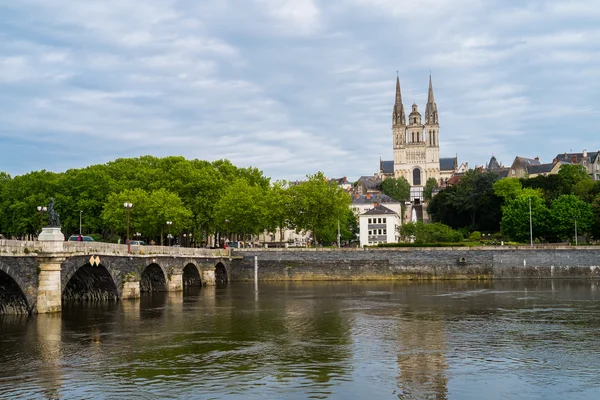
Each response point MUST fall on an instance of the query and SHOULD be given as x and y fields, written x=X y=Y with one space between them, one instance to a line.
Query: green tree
x=428 y=190
x=164 y=206
x=114 y=213
x=596 y=221
x=515 y=216
x=277 y=208
x=242 y=204
x=471 y=204
x=572 y=174
x=565 y=210
x=317 y=204
x=508 y=188
x=397 y=188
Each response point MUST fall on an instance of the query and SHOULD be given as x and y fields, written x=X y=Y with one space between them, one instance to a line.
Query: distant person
x=80 y=238
x=119 y=241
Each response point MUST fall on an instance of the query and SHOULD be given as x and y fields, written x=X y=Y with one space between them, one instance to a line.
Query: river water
x=343 y=340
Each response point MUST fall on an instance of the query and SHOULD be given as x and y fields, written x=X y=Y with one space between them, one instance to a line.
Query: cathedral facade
x=416 y=144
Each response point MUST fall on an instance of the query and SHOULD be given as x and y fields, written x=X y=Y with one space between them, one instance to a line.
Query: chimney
x=357 y=195
x=574 y=159
x=345 y=180
x=368 y=196
x=584 y=153
x=537 y=159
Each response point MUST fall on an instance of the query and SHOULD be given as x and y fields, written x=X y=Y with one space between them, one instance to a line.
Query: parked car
x=75 y=238
x=137 y=243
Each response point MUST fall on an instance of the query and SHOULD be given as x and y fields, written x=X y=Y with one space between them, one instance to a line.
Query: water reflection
x=443 y=340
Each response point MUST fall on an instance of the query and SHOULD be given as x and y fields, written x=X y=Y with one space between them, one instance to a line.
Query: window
x=384 y=221
x=379 y=220
x=416 y=176
x=379 y=232
x=415 y=119
x=370 y=232
x=369 y=220
x=513 y=171
x=385 y=231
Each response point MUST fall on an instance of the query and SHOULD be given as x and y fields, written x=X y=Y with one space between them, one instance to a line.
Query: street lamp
x=530 y=226
x=184 y=240
x=227 y=230
x=128 y=206
x=190 y=240
x=169 y=223
x=80 y=212
x=575 y=231
x=41 y=210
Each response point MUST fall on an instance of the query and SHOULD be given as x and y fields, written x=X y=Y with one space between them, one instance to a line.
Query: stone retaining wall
x=418 y=263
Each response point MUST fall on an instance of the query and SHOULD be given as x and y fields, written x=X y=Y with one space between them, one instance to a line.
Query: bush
x=429 y=233
x=475 y=236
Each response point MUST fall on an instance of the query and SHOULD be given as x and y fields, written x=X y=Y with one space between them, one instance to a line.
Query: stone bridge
x=37 y=277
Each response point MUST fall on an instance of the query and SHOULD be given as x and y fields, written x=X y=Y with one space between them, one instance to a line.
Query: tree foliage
x=317 y=205
x=567 y=210
x=429 y=233
x=471 y=204
x=428 y=190
x=397 y=188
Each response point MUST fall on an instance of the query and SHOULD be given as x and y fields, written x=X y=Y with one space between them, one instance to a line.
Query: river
x=342 y=340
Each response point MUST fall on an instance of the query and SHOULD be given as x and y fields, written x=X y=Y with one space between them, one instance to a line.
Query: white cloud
x=292 y=87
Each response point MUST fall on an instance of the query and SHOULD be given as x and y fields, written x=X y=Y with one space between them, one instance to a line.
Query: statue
x=54 y=216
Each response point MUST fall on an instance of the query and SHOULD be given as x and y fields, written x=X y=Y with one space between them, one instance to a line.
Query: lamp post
x=41 y=211
x=184 y=240
x=128 y=206
x=575 y=231
x=530 y=226
x=80 y=212
x=190 y=240
x=169 y=223
x=227 y=230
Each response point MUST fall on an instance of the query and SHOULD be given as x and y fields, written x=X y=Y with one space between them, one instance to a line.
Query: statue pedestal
x=52 y=239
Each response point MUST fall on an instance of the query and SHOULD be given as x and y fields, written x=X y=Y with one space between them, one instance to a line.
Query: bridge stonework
x=41 y=282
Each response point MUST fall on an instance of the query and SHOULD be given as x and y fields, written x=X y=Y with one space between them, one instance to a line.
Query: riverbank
x=480 y=263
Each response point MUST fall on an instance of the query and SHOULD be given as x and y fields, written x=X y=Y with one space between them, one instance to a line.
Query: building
x=591 y=161
x=368 y=184
x=362 y=203
x=379 y=225
x=519 y=167
x=416 y=146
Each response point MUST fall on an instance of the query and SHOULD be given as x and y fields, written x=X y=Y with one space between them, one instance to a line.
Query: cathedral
x=417 y=146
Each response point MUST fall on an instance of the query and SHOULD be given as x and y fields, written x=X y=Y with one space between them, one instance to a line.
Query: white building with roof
x=379 y=225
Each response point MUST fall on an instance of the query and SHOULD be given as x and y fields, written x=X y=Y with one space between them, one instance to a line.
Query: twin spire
x=431 y=113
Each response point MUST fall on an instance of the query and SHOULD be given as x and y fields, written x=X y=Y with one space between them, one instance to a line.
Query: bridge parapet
x=21 y=247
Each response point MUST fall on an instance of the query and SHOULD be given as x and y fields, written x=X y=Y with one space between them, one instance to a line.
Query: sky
x=293 y=87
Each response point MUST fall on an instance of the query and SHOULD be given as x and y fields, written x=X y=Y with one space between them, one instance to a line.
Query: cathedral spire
x=431 y=112
x=430 y=99
x=399 y=117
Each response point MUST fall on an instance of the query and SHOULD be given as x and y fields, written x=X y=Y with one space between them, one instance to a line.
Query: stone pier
x=50 y=289
x=175 y=283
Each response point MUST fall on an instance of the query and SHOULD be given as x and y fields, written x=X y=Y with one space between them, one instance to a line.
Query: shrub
x=429 y=233
x=475 y=236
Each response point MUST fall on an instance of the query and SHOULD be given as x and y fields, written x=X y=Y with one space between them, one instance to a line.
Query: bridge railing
x=18 y=247
x=21 y=247
x=121 y=249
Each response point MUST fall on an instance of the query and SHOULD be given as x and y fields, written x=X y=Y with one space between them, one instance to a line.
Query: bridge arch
x=90 y=283
x=154 y=279
x=191 y=276
x=221 y=273
x=13 y=297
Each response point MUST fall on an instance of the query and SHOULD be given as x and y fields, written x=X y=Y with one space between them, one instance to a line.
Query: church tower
x=398 y=119
x=416 y=144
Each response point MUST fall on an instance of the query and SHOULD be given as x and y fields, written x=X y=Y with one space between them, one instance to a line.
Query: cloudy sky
x=292 y=86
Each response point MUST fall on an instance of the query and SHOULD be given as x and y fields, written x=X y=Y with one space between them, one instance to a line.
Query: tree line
x=198 y=197
x=483 y=202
